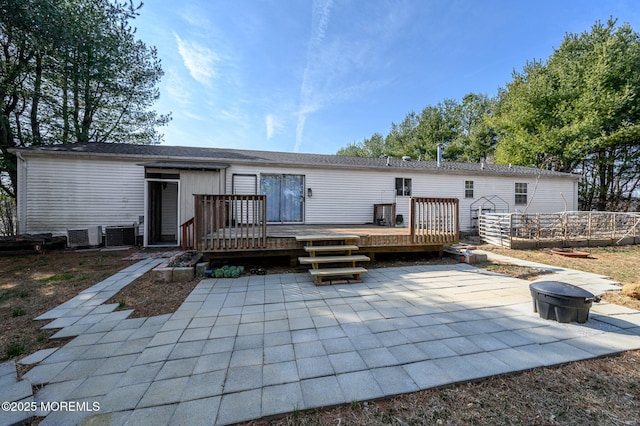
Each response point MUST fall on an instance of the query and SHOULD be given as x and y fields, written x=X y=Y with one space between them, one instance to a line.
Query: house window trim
x=520 y=195
x=468 y=189
x=405 y=187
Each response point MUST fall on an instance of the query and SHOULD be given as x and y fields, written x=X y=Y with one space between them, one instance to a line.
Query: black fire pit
x=560 y=301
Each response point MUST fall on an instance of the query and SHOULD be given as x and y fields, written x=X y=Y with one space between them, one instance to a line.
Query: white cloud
x=176 y=89
x=192 y=115
x=195 y=17
x=272 y=124
x=234 y=114
x=199 y=60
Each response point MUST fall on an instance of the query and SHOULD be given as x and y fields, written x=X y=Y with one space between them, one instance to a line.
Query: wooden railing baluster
x=230 y=222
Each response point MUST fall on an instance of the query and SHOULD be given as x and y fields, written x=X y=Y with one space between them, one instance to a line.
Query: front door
x=285 y=197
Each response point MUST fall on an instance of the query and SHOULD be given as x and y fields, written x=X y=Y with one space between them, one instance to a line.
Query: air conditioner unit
x=84 y=237
x=121 y=235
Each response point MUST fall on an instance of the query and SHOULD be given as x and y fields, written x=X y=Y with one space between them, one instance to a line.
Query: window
x=521 y=193
x=468 y=189
x=155 y=175
x=403 y=187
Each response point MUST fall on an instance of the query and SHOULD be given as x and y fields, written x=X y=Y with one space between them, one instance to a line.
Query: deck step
x=329 y=237
x=324 y=249
x=319 y=274
x=333 y=259
x=336 y=243
x=337 y=271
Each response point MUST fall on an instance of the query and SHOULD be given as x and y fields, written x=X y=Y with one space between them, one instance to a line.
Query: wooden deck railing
x=187 y=230
x=434 y=220
x=230 y=222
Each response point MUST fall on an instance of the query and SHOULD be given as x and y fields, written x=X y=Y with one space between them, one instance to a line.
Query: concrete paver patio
x=240 y=349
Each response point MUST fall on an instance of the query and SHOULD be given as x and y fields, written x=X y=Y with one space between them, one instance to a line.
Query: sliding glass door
x=285 y=197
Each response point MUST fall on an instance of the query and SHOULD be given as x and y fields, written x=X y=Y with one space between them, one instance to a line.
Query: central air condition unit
x=84 y=237
x=121 y=235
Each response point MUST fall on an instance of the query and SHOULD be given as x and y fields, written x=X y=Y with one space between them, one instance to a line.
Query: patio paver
x=259 y=346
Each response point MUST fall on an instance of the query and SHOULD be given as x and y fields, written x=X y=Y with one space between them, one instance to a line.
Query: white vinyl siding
x=245 y=184
x=67 y=193
x=196 y=182
x=60 y=192
x=348 y=196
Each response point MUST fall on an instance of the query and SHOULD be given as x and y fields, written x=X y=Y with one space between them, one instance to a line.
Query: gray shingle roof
x=223 y=155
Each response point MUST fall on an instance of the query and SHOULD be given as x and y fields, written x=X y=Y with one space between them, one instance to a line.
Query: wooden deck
x=230 y=225
x=281 y=241
x=290 y=231
x=372 y=239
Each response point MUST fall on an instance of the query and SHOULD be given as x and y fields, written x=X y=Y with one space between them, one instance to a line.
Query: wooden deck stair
x=332 y=250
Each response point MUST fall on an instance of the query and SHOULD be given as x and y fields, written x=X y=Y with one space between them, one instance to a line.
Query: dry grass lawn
x=30 y=285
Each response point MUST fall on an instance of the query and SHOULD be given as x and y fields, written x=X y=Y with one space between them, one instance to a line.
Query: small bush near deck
x=228 y=271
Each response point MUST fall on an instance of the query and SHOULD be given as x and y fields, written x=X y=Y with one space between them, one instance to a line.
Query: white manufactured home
x=155 y=188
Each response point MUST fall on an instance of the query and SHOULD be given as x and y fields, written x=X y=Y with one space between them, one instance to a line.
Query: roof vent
x=406 y=158
x=439 y=155
x=388 y=161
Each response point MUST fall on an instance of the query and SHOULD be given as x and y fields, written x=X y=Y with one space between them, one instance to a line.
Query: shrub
x=15 y=349
x=228 y=271
x=18 y=312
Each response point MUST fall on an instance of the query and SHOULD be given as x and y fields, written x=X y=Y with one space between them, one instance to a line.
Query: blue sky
x=313 y=76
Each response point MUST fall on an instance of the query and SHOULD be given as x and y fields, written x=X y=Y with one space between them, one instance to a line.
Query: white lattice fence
x=507 y=229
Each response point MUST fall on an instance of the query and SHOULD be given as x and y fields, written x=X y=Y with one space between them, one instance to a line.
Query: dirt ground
x=32 y=284
x=597 y=392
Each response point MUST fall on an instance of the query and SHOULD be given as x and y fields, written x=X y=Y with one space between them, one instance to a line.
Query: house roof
x=203 y=156
x=177 y=165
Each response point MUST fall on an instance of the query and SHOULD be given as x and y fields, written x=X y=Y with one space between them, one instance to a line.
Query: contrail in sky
x=319 y=23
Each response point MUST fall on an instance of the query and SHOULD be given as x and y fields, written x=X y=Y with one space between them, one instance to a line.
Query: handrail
x=187 y=229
